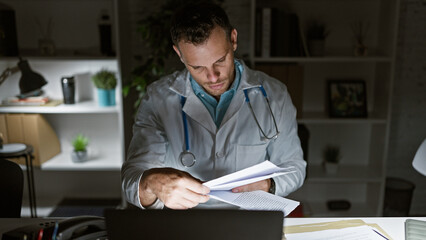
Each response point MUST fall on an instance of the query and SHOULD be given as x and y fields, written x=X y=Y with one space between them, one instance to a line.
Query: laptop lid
x=194 y=224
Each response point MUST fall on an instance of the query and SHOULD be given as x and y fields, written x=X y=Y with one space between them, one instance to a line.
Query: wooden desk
x=393 y=226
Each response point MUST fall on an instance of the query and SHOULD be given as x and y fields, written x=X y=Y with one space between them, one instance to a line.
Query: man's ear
x=234 y=38
x=177 y=52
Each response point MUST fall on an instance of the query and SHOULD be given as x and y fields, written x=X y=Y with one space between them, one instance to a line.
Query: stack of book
x=278 y=34
x=29 y=101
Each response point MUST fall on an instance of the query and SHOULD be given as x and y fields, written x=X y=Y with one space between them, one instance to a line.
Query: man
x=221 y=128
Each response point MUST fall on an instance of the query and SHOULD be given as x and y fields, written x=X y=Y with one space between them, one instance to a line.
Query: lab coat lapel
x=193 y=108
x=196 y=110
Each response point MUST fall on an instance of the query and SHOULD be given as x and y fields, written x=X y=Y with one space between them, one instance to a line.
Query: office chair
x=11 y=189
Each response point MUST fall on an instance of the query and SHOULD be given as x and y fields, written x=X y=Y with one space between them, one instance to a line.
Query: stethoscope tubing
x=270 y=110
x=185 y=124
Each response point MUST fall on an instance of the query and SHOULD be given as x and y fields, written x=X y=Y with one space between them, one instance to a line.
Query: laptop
x=193 y=224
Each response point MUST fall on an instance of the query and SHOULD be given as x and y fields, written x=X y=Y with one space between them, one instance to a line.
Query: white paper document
x=256 y=200
x=350 y=233
x=248 y=175
x=220 y=189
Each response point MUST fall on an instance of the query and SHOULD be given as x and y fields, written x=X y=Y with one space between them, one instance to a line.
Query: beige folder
x=313 y=227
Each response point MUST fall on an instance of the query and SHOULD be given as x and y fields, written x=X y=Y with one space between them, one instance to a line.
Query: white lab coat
x=158 y=135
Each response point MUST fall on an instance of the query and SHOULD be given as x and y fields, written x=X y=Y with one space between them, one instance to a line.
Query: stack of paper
x=415 y=229
x=345 y=229
x=220 y=189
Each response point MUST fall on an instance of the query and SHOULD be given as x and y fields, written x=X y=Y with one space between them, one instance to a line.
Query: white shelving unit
x=78 y=108
x=103 y=125
x=76 y=36
x=363 y=142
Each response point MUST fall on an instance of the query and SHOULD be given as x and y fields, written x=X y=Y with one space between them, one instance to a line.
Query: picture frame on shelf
x=347 y=98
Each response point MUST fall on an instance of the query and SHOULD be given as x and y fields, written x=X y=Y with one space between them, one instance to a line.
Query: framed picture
x=347 y=98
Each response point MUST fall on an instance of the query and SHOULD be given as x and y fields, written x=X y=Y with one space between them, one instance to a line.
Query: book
x=277 y=33
x=220 y=189
x=266 y=32
x=280 y=35
x=295 y=45
x=258 y=33
x=29 y=101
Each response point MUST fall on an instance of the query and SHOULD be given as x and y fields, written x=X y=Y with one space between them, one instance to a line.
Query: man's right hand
x=176 y=189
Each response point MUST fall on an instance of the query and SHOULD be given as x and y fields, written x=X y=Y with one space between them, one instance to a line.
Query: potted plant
x=79 y=154
x=154 y=30
x=105 y=81
x=331 y=157
x=316 y=35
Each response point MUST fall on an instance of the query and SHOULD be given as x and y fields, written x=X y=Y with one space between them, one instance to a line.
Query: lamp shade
x=30 y=81
x=419 y=162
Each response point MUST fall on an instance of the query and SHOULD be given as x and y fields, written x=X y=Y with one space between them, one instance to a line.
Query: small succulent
x=80 y=143
x=104 y=79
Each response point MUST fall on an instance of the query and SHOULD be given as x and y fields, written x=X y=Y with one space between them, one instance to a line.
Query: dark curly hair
x=194 y=22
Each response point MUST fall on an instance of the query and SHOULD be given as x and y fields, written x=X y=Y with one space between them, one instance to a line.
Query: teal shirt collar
x=217 y=109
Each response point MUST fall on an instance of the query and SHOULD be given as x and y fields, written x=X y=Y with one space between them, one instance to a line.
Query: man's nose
x=213 y=75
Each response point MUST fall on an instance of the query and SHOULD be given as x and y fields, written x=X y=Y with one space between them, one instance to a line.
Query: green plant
x=155 y=34
x=104 y=79
x=80 y=143
x=331 y=154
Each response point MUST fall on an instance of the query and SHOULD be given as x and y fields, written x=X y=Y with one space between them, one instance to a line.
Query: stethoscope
x=187 y=158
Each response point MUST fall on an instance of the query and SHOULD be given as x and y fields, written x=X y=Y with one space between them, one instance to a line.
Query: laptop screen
x=194 y=224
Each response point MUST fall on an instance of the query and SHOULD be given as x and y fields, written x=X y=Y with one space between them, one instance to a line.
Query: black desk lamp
x=30 y=82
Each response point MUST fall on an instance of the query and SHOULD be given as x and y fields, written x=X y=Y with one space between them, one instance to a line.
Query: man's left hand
x=263 y=185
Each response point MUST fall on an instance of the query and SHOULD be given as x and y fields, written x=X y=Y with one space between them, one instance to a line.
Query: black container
x=68 y=89
x=105 y=35
x=8 y=36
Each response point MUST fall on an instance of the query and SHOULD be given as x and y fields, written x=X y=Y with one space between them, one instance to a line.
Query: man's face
x=211 y=63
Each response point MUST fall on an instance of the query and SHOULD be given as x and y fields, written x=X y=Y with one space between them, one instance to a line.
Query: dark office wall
x=408 y=121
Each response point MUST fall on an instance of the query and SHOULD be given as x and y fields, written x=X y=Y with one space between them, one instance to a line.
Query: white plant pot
x=331 y=168
x=80 y=156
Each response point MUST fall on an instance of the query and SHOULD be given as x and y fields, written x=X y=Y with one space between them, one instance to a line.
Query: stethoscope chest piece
x=187 y=159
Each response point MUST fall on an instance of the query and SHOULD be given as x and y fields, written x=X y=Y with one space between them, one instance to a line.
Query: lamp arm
x=7 y=73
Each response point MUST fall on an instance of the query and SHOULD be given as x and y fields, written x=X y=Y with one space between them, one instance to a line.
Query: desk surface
x=394 y=226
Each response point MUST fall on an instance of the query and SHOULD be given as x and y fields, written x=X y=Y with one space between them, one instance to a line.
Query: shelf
x=319 y=209
x=322 y=118
x=325 y=59
x=82 y=107
x=57 y=58
x=345 y=174
x=105 y=161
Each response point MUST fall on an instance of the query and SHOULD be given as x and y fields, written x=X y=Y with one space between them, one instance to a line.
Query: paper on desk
x=248 y=175
x=256 y=200
x=322 y=226
x=364 y=232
